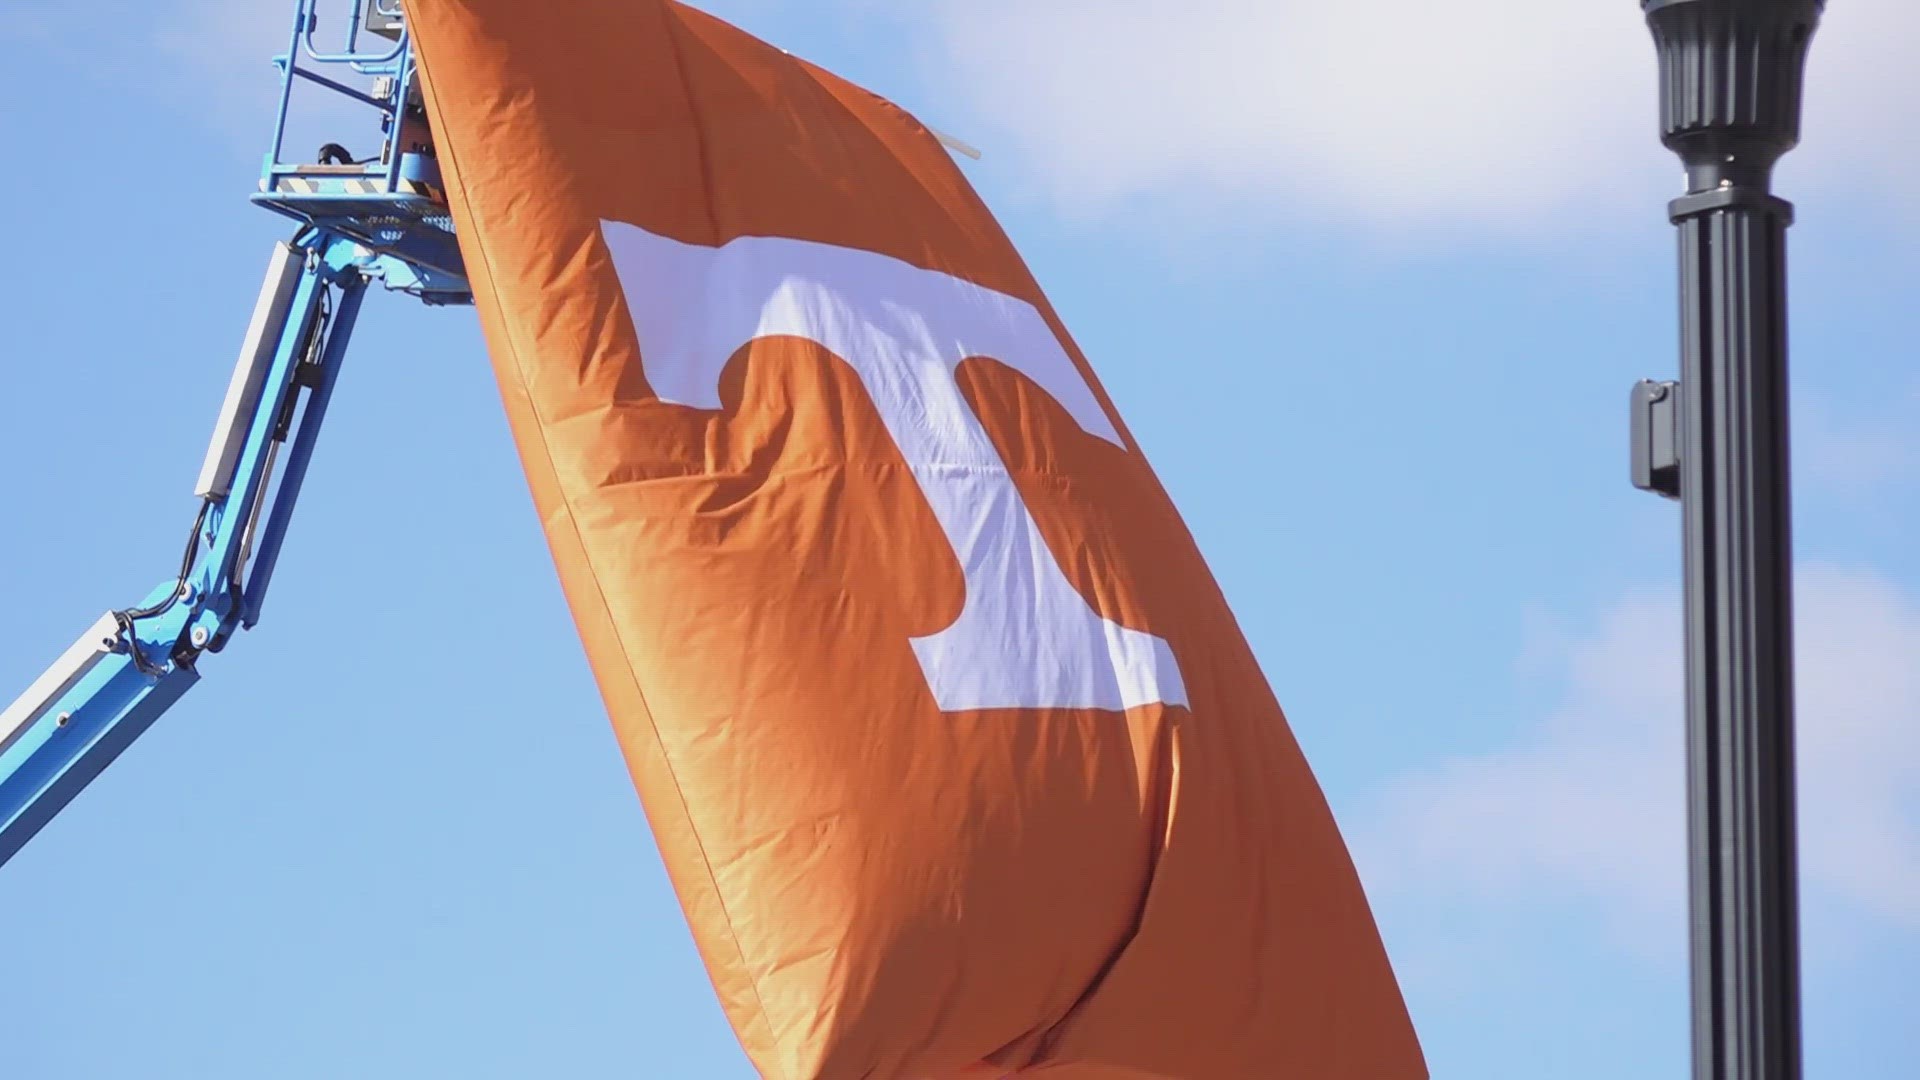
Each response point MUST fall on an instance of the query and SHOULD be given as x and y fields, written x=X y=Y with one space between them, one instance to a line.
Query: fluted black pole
x=1730 y=89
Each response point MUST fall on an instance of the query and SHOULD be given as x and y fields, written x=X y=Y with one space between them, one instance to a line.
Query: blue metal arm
x=384 y=220
x=131 y=665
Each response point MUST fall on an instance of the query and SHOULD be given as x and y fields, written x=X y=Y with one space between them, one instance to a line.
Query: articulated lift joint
x=382 y=218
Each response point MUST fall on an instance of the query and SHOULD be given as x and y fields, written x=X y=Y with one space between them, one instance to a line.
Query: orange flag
x=955 y=754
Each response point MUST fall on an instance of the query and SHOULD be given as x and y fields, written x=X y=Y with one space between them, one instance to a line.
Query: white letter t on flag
x=1025 y=637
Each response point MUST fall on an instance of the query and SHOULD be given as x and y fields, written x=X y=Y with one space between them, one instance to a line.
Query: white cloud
x=1590 y=805
x=1395 y=113
x=1401 y=115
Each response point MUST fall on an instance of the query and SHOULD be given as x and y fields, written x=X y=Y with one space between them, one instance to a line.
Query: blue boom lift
x=381 y=218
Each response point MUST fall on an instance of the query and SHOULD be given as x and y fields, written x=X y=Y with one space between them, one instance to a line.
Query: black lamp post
x=1730 y=86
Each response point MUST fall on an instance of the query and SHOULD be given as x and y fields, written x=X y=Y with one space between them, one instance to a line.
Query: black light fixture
x=1731 y=73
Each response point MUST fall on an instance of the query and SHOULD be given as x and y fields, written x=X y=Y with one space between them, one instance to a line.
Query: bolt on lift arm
x=113 y=683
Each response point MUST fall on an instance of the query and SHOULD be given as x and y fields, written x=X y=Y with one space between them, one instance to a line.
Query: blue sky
x=1369 y=288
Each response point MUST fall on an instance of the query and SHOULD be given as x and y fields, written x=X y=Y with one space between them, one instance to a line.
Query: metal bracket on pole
x=1656 y=437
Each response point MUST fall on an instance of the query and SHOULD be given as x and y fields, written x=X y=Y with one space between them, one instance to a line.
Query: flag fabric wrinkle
x=959 y=764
